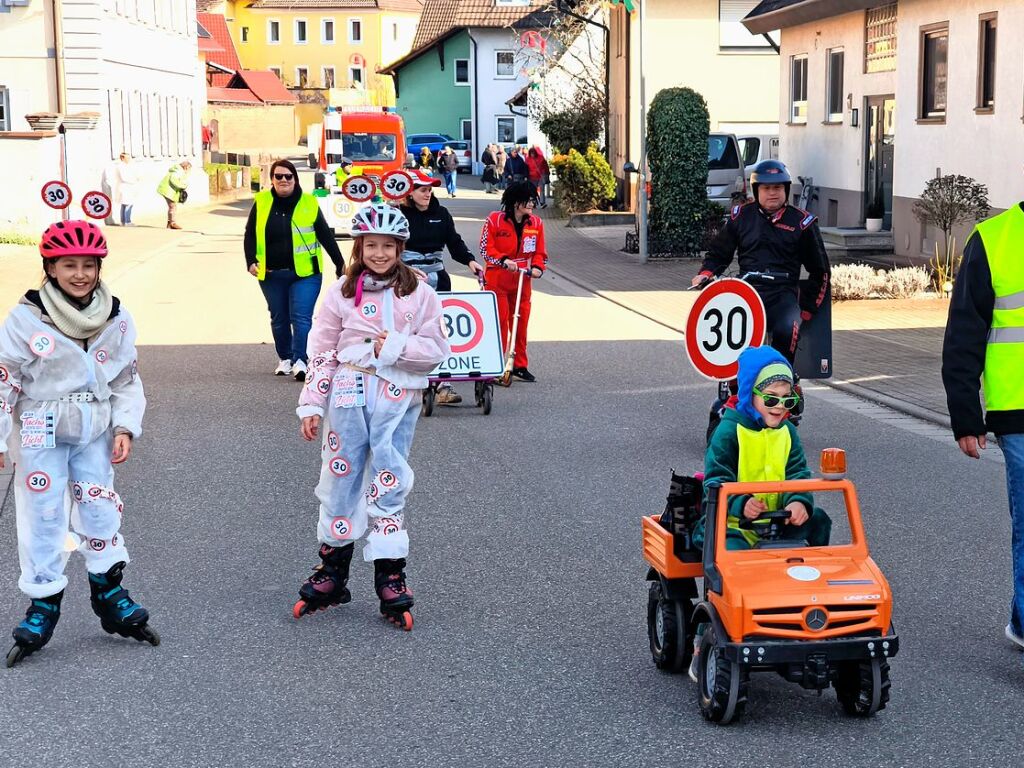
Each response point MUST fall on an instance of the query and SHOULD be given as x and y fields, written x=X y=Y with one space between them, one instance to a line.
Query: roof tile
x=226 y=55
x=441 y=16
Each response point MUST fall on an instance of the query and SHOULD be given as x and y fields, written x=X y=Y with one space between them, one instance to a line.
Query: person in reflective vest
x=984 y=349
x=344 y=171
x=285 y=237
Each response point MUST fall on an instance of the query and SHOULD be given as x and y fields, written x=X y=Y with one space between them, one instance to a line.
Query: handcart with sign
x=471 y=320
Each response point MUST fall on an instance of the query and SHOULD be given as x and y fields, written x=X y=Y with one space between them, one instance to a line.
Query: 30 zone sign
x=471 y=325
x=727 y=317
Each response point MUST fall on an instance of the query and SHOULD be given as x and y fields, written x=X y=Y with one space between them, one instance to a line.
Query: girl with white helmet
x=72 y=400
x=376 y=337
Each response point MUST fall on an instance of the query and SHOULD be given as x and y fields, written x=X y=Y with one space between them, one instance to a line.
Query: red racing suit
x=499 y=242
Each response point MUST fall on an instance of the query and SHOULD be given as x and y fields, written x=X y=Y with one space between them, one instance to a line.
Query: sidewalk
x=886 y=351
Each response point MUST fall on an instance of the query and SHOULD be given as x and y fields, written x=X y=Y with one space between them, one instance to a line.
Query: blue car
x=435 y=142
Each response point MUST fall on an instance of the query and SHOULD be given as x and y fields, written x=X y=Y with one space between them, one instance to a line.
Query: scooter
x=506 y=377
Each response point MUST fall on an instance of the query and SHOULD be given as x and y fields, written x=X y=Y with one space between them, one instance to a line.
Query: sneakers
x=692 y=673
x=284 y=367
x=1013 y=637
x=299 y=370
x=446 y=395
x=524 y=374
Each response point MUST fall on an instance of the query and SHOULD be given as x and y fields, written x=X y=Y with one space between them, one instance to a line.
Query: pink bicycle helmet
x=380 y=219
x=73 y=238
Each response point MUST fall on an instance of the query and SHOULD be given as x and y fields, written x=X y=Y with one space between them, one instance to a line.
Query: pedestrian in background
x=501 y=158
x=127 y=183
x=515 y=168
x=984 y=347
x=426 y=162
x=537 y=170
x=285 y=236
x=448 y=164
x=173 y=189
x=490 y=174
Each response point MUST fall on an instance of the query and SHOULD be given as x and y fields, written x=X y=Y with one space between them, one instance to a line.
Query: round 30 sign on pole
x=56 y=194
x=395 y=185
x=727 y=317
x=96 y=205
x=358 y=189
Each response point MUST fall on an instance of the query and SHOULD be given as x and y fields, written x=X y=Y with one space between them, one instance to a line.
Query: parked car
x=754 y=149
x=435 y=142
x=464 y=152
x=726 y=177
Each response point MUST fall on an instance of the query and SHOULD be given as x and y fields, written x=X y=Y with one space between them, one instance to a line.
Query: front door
x=880 y=145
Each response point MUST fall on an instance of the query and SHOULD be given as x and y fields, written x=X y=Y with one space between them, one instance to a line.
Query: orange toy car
x=818 y=616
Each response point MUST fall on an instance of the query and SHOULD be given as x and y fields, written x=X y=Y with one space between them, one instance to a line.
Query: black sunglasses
x=283 y=176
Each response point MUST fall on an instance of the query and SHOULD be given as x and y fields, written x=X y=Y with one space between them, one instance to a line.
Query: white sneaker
x=692 y=673
x=284 y=367
x=299 y=370
x=1014 y=638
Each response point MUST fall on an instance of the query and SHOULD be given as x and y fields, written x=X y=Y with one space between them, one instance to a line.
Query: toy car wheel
x=428 y=401
x=863 y=687
x=486 y=398
x=671 y=643
x=722 y=684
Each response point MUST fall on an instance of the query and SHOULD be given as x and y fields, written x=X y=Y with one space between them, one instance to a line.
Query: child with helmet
x=69 y=381
x=376 y=337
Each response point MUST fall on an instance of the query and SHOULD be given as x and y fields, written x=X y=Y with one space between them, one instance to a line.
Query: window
x=798 y=89
x=505 y=64
x=506 y=130
x=276 y=71
x=273 y=31
x=373 y=147
x=880 y=39
x=934 y=49
x=986 y=62
x=466 y=129
x=301 y=77
x=355 y=31
x=749 y=149
x=300 y=32
x=327 y=31
x=355 y=75
x=731 y=32
x=5 y=110
x=834 y=96
x=245 y=34
x=462 y=71
x=327 y=77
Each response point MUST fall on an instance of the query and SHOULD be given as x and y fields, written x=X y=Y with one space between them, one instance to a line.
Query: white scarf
x=74 y=322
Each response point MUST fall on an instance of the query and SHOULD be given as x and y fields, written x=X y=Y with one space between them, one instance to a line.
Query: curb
x=909 y=409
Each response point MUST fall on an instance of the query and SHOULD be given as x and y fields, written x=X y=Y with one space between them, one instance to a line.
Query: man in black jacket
x=431 y=229
x=448 y=163
x=984 y=347
x=769 y=236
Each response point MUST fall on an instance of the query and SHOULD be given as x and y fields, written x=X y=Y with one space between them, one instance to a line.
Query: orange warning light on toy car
x=833 y=463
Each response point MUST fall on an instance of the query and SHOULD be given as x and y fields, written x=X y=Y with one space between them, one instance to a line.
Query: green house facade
x=433 y=87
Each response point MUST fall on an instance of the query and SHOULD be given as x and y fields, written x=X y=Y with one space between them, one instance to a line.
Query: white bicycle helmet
x=380 y=219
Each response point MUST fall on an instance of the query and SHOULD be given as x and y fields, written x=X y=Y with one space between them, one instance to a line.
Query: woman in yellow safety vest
x=285 y=237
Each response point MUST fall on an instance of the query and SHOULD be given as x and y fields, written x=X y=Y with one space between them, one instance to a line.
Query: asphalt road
x=530 y=644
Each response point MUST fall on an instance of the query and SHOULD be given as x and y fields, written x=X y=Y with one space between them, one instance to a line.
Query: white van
x=754 y=149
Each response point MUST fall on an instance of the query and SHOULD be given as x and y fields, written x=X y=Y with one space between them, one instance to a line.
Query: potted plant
x=874 y=216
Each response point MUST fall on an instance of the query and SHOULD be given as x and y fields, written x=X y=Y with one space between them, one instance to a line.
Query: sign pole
x=642 y=203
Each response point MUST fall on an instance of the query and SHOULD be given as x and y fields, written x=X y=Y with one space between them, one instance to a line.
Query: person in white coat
x=69 y=381
x=377 y=336
x=127 y=187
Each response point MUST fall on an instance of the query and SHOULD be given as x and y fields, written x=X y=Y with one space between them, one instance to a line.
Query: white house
x=878 y=98
x=122 y=76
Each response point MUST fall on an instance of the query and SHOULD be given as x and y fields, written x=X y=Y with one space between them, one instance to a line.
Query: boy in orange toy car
x=755 y=442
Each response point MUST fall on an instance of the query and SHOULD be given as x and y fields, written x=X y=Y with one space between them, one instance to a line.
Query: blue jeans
x=291 y=299
x=450 y=181
x=126 y=215
x=1013 y=453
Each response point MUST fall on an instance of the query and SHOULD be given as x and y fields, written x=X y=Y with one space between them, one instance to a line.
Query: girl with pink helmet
x=69 y=381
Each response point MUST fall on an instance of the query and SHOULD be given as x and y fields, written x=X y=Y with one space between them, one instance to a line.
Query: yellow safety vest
x=306 y=253
x=763 y=457
x=1003 y=238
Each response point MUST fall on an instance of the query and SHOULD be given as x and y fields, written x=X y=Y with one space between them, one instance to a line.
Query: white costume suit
x=370 y=420
x=67 y=397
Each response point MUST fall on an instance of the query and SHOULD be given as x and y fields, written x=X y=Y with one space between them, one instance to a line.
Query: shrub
x=575 y=128
x=584 y=181
x=950 y=200
x=853 y=281
x=14 y=237
x=677 y=152
x=903 y=283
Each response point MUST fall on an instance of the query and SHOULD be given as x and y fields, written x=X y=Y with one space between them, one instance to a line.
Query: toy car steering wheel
x=768 y=525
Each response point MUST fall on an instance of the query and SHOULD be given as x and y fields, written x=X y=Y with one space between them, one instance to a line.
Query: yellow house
x=317 y=44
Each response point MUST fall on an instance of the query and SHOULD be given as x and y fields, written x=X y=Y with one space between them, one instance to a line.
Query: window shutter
x=731 y=32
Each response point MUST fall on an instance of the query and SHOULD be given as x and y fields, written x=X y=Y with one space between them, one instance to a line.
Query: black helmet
x=770 y=172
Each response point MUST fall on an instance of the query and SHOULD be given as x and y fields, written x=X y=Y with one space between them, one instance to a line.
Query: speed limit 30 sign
x=395 y=185
x=471 y=324
x=358 y=189
x=727 y=317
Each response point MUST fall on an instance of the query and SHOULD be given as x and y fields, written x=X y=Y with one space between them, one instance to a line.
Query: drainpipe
x=607 y=69
x=60 y=85
x=476 y=99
